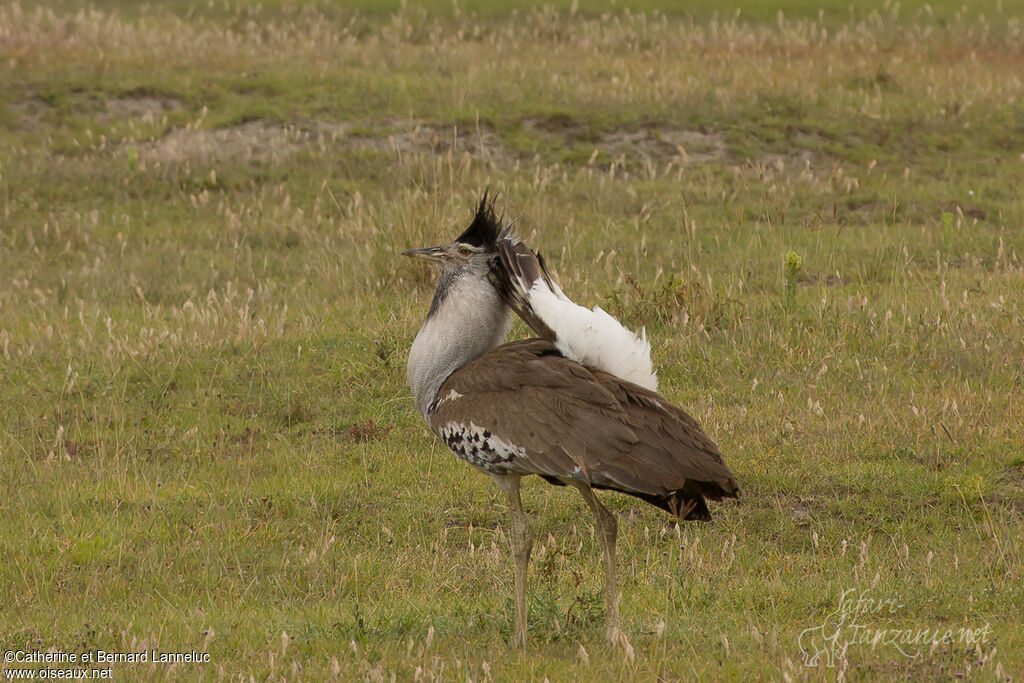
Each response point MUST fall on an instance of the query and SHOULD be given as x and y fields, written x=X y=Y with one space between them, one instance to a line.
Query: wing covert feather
x=572 y=422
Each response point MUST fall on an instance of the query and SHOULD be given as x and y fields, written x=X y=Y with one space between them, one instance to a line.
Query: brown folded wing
x=564 y=421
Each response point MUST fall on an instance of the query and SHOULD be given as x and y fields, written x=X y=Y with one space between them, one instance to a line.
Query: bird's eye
x=465 y=251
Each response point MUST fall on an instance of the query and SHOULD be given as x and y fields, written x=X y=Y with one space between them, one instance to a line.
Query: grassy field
x=206 y=439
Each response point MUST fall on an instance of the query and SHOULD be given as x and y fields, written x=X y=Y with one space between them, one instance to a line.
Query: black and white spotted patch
x=478 y=446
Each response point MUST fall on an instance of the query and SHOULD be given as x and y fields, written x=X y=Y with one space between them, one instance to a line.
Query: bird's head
x=472 y=251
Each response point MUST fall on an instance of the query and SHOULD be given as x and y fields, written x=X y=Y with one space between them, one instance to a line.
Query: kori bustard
x=577 y=406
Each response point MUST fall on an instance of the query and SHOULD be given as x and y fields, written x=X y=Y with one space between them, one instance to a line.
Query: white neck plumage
x=468 y=322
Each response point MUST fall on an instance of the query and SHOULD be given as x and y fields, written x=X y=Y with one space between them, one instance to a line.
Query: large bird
x=577 y=406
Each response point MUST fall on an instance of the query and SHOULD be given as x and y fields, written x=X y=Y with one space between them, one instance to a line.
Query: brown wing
x=561 y=420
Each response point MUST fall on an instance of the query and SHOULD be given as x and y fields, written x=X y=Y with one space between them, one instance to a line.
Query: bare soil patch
x=253 y=140
x=259 y=140
x=683 y=147
x=415 y=137
x=140 y=106
x=31 y=111
x=789 y=164
x=656 y=142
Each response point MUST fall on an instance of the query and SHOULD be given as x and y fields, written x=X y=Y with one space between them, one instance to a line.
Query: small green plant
x=792 y=266
x=947 y=230
x=132 y=162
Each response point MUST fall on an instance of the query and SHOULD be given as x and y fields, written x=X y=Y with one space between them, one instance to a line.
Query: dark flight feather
x=513 y=272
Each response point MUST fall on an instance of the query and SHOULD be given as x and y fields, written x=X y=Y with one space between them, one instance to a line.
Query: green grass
x=206 y=439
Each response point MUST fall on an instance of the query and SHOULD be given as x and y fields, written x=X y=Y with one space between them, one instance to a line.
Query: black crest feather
x=484 y=230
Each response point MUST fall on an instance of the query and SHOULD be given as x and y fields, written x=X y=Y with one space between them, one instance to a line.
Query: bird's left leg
x=521 y=543
x=608 y=527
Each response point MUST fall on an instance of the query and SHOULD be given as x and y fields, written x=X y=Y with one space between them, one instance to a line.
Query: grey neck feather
x=466 y=320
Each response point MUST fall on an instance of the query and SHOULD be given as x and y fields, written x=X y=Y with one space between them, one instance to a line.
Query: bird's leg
x=521 y=543
x=608 y=527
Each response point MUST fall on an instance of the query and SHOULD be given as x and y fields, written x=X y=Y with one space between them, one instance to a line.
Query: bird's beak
x=435 y=254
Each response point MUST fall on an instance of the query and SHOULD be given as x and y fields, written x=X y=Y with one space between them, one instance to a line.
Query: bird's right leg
x=608 y=527
x=521 y=543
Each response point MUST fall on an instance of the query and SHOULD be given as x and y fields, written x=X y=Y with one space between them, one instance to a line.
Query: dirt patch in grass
x=31 y=112
x=255 y=140
x=798 y=166
x=273 y=141
x=140 y=106
x=28 y=114
x=683 y=147
x=655 y=142
x=789 y=164
x=416 y=137
x=264 y=141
